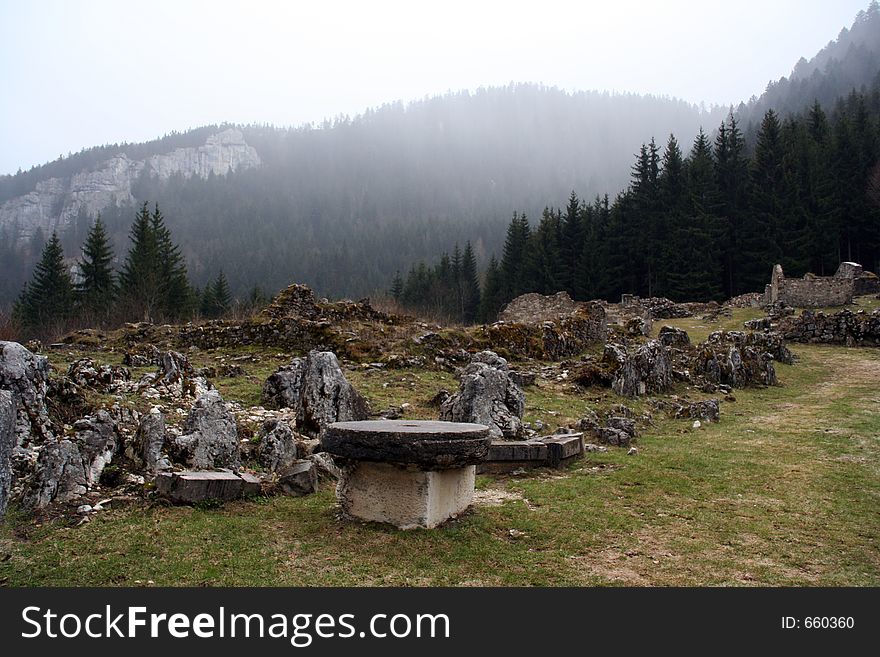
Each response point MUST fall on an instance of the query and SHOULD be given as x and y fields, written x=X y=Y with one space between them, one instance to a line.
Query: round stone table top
x=431 y=444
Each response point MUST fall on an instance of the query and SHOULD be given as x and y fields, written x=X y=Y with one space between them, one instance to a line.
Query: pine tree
x=470 y=285
x=174 y=285
x=220 y=296
x=514 y=264
x=140 y=278
x=397 y=286
x=96 y=291
x=571 y=245
x=493 y=292
x=46 y=304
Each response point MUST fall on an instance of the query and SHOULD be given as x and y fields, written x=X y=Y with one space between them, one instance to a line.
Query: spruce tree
x=96 y=291
x=140 y=278
x=397 y=286
x=174 y=285
x=470 y=286
x=493 y=292
x=514 y=264
x=46 y=303
x=222 y=296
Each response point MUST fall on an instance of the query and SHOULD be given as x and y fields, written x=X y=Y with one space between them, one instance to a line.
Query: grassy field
x=784 y=491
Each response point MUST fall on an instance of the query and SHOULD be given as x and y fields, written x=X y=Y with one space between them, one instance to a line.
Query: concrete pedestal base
x=405 y=496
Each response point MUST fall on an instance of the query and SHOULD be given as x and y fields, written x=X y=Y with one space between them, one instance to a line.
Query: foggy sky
x=90 y=72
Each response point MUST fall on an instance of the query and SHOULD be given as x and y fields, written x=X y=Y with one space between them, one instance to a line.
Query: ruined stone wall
x=809 y=291
x=858 y=329
x=534 y=308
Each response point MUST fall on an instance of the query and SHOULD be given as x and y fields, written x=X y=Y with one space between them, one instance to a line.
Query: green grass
x=784 y=491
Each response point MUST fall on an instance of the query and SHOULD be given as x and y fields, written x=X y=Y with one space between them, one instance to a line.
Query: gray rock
x=623 y=424
x=61 y=475
x=278 y=447
x=7 y=443
x=488 y=396
x=283 y=389
x=97 y=437
x=674 y=337
x=646 y=370
x=299 y=479
x=612 y=436
x=150 y=440
x=26 y=376
x=325 y=465
x=317 y=389
x=210 y=438
x=174 y=367
x=523 y=379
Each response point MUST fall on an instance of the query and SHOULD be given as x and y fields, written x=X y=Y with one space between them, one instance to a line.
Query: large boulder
x=487 y=395
x=26 y=376
x=645 y=370
x=7 y=442
x=739 y=359
x=61 y=475
x=674 y=337
x=317 y=389
x=210 y=438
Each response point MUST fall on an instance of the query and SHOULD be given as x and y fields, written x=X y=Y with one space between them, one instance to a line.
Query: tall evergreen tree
x=514 y=264
x=470 y=286
x=96 y=291
x=140 y=283
x=46 y=304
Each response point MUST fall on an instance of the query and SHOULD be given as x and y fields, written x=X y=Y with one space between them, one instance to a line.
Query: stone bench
x=409 y=473
x=192 y=486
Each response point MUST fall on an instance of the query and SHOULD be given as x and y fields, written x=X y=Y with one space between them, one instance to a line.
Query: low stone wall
x=859 y=329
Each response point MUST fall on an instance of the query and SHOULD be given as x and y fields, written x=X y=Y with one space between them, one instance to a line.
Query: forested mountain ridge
x=850 y=62
x=342 y=206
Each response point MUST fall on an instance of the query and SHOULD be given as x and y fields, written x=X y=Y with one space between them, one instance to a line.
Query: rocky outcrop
x=853 y=329
x=7 y=443
x=317 y=389
x=26 y=376
x=488 y=396
x=210 y=438
x=56 y=202
x=279 y=446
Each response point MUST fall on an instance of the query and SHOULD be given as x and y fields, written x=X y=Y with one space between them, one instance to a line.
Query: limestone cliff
x=56 y=201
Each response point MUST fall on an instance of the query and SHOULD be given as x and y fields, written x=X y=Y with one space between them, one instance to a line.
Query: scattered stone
x=83 y=509
x=708 y=410
x=760 y=324
x=488 y=396
x=210 y=438
x=299 y=479
x=106 y=378
x=325 y=466
x=522 y=379
x=697 y=424
x=632 y=451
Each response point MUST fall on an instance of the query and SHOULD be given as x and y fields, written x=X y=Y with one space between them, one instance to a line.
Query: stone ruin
x=813 y=291
x=534 y=308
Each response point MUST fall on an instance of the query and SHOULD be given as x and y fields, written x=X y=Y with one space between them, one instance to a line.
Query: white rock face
x=56 y=202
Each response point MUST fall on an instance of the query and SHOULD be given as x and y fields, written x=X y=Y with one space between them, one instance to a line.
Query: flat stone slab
x=191 y=486
x=548 y=451
x=432 y=445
